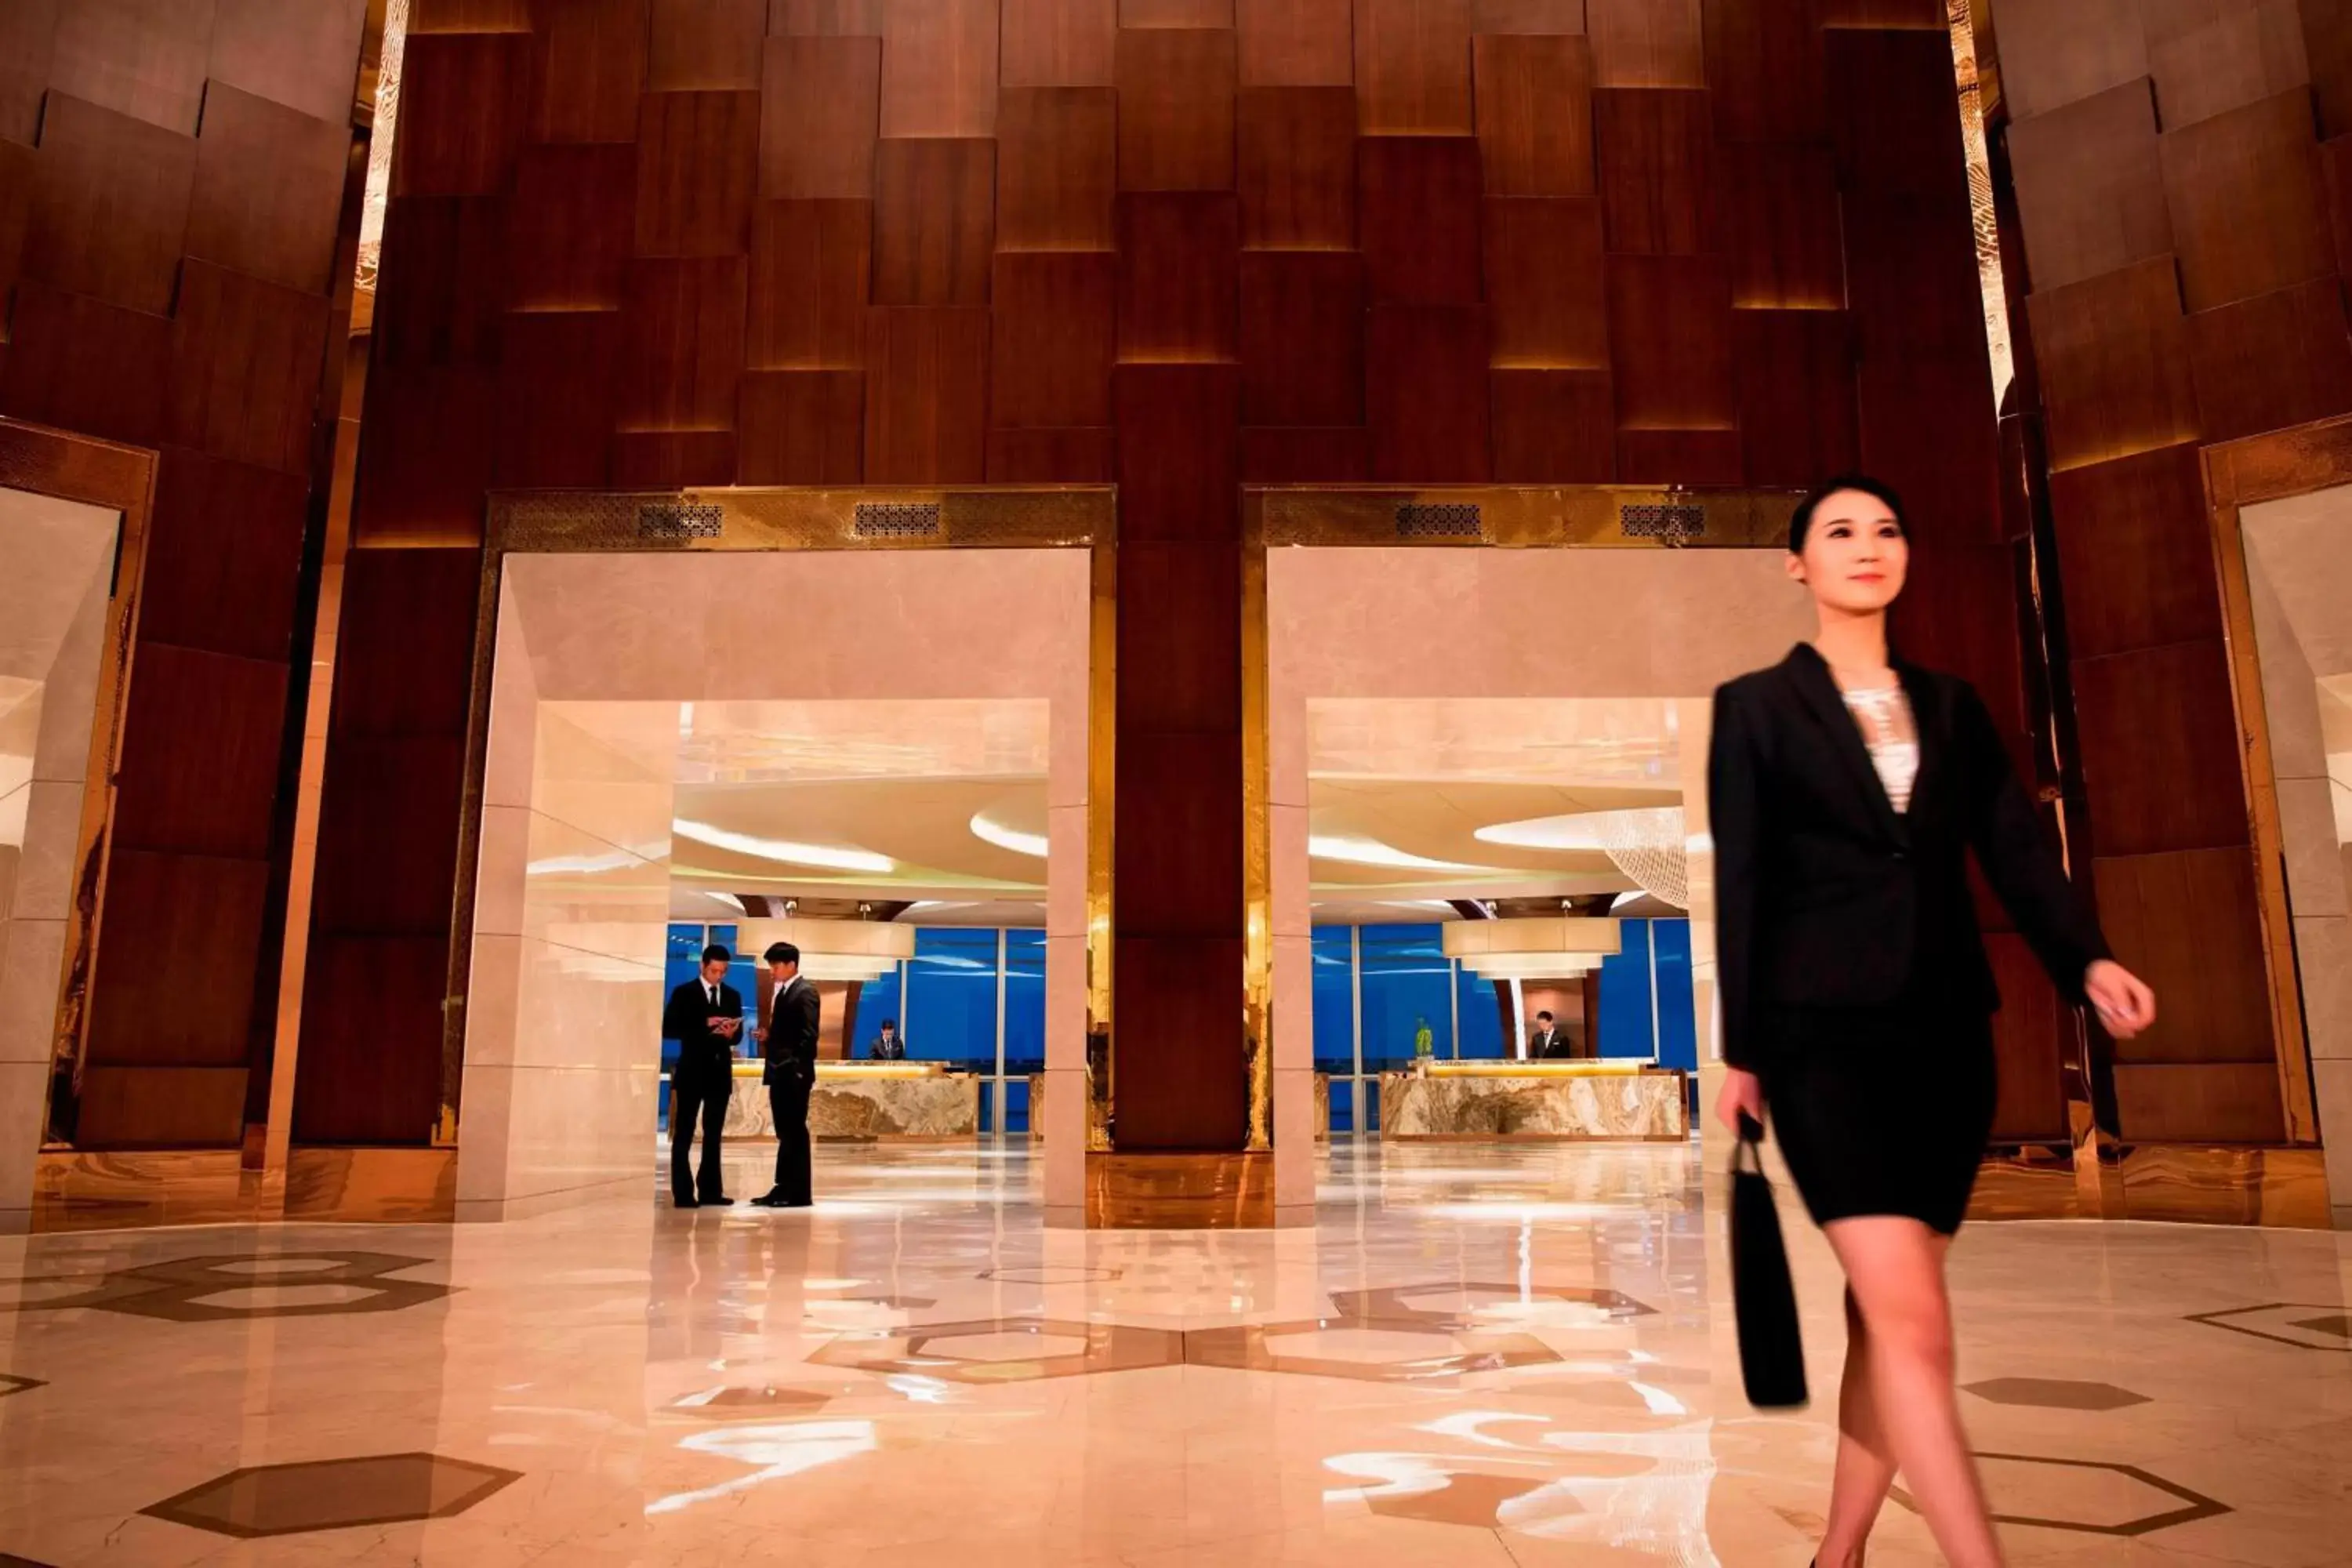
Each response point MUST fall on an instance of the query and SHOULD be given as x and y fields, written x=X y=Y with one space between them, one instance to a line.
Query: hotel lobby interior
x=1179 y=552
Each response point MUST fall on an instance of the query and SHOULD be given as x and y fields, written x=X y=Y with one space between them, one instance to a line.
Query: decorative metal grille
x=1439 y=520
x=1665 y=520
x=679 y=520
x=896 y=519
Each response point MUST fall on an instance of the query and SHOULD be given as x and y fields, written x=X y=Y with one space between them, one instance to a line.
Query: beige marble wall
x=53 y=602
x=598 y=657
x=1537 y=627
x=2299 y=574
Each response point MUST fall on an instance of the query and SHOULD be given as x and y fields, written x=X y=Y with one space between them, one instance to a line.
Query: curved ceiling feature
x=811 y=856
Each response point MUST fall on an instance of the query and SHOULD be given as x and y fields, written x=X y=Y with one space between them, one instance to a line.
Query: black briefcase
x=1771 y=1347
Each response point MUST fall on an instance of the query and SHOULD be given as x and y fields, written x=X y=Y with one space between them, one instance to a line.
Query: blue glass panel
x=1343 y=1105
x=1625 y=994
x=1335 y=1000
x=1407 y=984
x=1677 y=1020
x=951 y=1013
x=1482 y=1018
x=1017 y=1106
x=877 y=999
x=1024 y=1002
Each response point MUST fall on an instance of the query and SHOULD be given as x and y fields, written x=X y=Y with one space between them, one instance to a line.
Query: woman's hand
x=1742 y=1095
x=2125 y=1006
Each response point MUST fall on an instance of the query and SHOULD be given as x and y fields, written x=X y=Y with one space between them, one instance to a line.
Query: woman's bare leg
x=1894 y=1272
x=1865 y=1464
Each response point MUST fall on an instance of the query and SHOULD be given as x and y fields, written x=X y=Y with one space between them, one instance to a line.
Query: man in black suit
x=889 y=1048
x=790 y=1043
x=705 y=1017
x=1548 y=1041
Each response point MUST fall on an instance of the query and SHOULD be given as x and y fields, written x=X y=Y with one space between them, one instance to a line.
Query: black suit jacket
x=791 y=1035
x=703 y=1056
x=1826 y=897
x=1555 y=1044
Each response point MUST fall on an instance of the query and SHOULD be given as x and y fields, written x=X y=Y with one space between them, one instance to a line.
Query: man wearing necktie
x=705 y=1016
x=789 y=1043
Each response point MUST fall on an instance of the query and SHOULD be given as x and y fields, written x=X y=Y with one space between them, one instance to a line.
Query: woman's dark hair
x=1800 y=521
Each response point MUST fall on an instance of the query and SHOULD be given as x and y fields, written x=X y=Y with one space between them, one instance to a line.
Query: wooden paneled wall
x=172 y=182
x=2182 y=173
x=1180 y=245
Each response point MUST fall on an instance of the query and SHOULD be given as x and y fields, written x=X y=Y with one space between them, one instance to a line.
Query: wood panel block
x=1181 y=882
x=2328 y=44
x=1679 y=457
x=157 y=1108
x=1425 y=389
x=2208 y=58
x=821 y=113
x=1055 y=335
x=1297 y=455
x=175 y=983
x=245 y=361
x=1892 y=118
x=440 y=296
x=2236 y=1102
x=1764 y=69
x=295 y=52
x=28 y=31
x=358 y=993
x=812 y=266
x=571 y=224
x=1554 y=426
x=1176 y=14
x=1058 y=43
x=82 y=365
x=698 y=169
x=1179 y=452
x=1656 y=169
x=1670 y=340
x=428 y=449
x=2249 y=211
x=1181 y=661
x=801 y=427
x=1527 y=18
x=1056 y=168
x=383 y=792
x=1535 y=115
x=1176 y=109
x=1776 y=212
x=672 y=459
x=2188 y=923
x=938 y=68
x=1547 y=283
x=706 y=45
x=1302 y=338
x=109 y=206
x=934 y=221
x=2113 y=352
x=2268 y=363
x=1412 y=67
x=468 y=17
x=1963 y=616
x=200 y=741
x=1185 y=994
x=827 y=18
x=268 y=189
x=464 y=101
x=1297 y=43
x=17 y=178
x=683 y=330
x=141 y=57
x=1926 y=14
x=1913 y=285
x=2052 y=55
x=223 y=556
x=1179 y=296
x=558 y=396
x=1645 y=43
x=1798 y=419
x=927 y=397
x=2135 y=553
x=2090 y=187
x=1927 y=428
x=1418 y=206
x=1298 y=168
x=406 y=647
x=2160 y=753
x=587 y=68
x=1066 y=456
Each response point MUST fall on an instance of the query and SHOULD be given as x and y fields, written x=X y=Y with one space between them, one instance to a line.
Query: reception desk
x=1553 y=1100
x=866 y=1102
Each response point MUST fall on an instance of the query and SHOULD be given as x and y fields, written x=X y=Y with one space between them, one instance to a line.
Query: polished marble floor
x=1480 y=1356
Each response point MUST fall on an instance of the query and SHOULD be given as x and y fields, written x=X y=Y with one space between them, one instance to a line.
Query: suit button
x=1902 y=855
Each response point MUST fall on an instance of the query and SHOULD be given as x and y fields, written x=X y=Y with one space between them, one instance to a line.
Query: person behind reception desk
x=790 y=1044
x=1550 y=1042
x=889 y=1048
x=704 y=1016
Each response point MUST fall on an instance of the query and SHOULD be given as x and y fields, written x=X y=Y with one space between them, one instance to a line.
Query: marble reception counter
x=1563 y=1100
x=866 y=1102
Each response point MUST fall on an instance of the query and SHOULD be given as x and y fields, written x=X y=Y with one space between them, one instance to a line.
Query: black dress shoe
x=721 y=1201
x=684 y=1203
x=768 y=1201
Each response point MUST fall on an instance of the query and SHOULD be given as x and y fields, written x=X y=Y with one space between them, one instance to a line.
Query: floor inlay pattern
x=233 y=1287
x=333 y=1494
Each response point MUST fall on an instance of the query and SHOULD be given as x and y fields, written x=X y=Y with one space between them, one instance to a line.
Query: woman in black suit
x=1847 y=788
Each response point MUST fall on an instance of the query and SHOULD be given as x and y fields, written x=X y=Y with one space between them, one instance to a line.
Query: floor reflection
x=1499 y=1356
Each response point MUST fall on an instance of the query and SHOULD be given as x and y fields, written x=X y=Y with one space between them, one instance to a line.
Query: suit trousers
x=790 y=1102
x=691 y=1095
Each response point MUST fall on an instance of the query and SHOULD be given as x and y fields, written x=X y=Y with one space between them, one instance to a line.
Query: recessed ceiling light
x=830 y=856
x=988 y=830
x=1372 y=852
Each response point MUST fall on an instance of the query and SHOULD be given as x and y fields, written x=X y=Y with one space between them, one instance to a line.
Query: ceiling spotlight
x=825 y=856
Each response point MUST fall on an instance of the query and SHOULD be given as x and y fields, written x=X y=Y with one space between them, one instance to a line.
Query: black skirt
x=1883 y=1110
